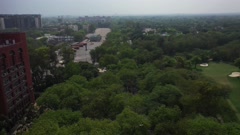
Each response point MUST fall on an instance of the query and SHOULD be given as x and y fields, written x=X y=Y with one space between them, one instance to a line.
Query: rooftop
x=7 y=43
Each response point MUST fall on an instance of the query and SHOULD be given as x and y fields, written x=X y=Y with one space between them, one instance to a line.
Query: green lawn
x=219 y=72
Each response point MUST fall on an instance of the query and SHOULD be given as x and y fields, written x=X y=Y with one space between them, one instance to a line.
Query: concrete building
x=22 y=22
x=16 y=88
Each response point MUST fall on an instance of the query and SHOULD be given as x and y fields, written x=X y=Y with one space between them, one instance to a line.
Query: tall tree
x=196 y=60
x=132 y=123
x=237 y=62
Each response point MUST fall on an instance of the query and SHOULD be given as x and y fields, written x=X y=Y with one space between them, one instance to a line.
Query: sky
x=118 y=7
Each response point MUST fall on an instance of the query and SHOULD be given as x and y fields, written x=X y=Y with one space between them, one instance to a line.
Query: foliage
x=78 y=36
x=150 y=86
x=201 y=125
x=132 y=123
x=237 y=63
x=67 y=53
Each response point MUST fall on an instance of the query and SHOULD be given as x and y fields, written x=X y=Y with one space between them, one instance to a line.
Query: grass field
x=219 y=72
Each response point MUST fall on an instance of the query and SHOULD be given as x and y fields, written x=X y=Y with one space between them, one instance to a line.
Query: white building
x=73 y=27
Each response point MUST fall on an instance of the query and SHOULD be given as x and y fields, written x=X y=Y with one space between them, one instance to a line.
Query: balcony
x=25 y=96
x=6 y=82
x=15 y=68
x=16 y=84
x=8 y=89
x=24 y=81
x=24 y=90
x=21 y=73
x=18 y=101
x=4 y=74
x=12 y=69
x=21 y=66
x=10 y=104
x=18 y=93
x=14 y=77
x=9 y=96
x=10 y=108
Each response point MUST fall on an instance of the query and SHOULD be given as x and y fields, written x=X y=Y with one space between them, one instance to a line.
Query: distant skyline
x=117 y=7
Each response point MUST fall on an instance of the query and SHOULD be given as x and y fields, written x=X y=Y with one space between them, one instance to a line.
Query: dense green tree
x=78 y=36
x=133 y=123
x=196 y=60
x=67 y=53
x=108 y=60
x=232 y=128
x=88 y=70
x=97 y=53
x=64 y=95
x=128 y=64
x=129 y=79
x=168 y=95
x=52 y=122
x=43 y=127
x=237 y=63
x=168 y=62
x=181 y=62
x=91 y=28
x=163 y=114
x=93 y=127
x=42 y=57
x=126 y=53
x=201 y=125
x=71 y=69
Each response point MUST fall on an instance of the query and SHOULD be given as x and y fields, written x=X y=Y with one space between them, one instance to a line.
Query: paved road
x=82 y=54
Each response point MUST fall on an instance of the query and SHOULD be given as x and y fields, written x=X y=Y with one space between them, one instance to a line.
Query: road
x=84 y=55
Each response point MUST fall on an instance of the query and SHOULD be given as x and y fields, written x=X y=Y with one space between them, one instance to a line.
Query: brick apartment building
x=16 y=91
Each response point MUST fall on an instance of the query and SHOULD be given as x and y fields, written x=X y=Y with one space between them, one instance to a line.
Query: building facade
x=16 y=88
x=22 y=22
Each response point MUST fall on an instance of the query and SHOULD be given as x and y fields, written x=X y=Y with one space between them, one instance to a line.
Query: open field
x=219 y=72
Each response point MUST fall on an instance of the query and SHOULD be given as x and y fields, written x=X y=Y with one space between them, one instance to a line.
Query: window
x=20 y=51
x=9 y=96
x=6 y=81
x=12 y=54
x=15 y=76
x=3 y=61
x=20 y=89
x=8 y=89
x=12 y=94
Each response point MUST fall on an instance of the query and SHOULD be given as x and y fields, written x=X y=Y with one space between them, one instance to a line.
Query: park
x=220 y=73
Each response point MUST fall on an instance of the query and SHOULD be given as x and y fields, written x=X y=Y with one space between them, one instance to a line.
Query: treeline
x=220 y=37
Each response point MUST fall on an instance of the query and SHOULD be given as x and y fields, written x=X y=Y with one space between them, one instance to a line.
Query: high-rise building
x=16 y=91
x=22 y=22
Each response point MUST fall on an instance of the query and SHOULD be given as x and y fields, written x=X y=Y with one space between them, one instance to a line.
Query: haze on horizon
x=117 y=7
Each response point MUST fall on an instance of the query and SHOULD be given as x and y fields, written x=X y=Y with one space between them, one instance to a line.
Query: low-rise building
x=73 y=27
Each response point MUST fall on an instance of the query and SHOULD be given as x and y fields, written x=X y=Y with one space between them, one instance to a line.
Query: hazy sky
x=118 y=7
